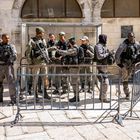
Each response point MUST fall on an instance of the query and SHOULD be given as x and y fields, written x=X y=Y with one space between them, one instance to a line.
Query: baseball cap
x=84 y=38
x=62 y=33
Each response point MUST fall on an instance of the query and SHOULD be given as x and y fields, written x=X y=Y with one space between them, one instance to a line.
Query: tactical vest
x=50 y=44
x=36 y=52
x=128 y=53
x=5 y=53
x=87 y=58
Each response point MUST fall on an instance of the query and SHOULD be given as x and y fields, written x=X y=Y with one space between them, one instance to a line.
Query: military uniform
x=8 y=55
x=125 y=58
x=71 y=58
x=51 y=46
x=88 y=57
x=101 y=53
x=38 y=54
x=59 y=60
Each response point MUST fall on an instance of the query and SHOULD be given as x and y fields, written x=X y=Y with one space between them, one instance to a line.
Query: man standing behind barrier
x=39 y=56
x=125 y=58
x=51 y=51
x=101 y=55
x=59 y=59
x=8 y=55
x=71 y=58
x=88 y=57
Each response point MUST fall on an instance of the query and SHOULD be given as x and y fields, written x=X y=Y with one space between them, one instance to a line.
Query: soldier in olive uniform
x=38 y=54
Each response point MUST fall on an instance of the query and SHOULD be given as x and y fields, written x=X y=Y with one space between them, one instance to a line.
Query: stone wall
x=11 y=22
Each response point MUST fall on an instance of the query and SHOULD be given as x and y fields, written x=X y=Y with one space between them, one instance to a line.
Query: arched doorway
x=60 y=15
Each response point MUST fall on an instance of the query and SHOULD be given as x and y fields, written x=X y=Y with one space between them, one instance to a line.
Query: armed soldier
x=59 y=59
x=51 y=46
x=8 y=55
x=39 y=56
x=125 y=58
x=71 y=58
x=88 y=56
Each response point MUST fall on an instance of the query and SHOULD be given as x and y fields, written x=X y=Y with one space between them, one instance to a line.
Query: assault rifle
x=43 y=54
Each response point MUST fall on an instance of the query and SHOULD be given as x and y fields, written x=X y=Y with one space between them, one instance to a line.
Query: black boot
x=46 y=96
x=83 y=87
x=126 y=90
x=36 y=97
x=89 y=91
x=1 y=92
x=55 y=92
x=74 y=99
x=29 y=89
x=29 y=84
x=13 y=101
x=39 y=84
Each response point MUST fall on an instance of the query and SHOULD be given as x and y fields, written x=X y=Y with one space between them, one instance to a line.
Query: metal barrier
x=61 y=101
x=135 y=98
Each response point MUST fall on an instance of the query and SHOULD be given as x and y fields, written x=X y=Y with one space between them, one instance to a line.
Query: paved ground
x=66 y=124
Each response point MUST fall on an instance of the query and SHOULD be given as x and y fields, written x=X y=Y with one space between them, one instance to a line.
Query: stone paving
x=66 y=124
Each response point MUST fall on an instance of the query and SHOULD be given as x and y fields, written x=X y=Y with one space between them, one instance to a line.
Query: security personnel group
x=73 y=60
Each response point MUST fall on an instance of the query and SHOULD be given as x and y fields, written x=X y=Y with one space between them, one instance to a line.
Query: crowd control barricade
x=135 y=98
x=60 y=101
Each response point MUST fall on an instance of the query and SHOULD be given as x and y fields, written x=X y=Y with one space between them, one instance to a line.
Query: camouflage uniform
x=125 y=58
x=59 y=59
x=38 y=59
x=71 y=58
x=102 y=53
x=51 y=51
x=88 y=57
x=8 y=55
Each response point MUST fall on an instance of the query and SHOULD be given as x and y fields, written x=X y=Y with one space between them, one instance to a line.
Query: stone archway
x=87 y=8
x=86 y=5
